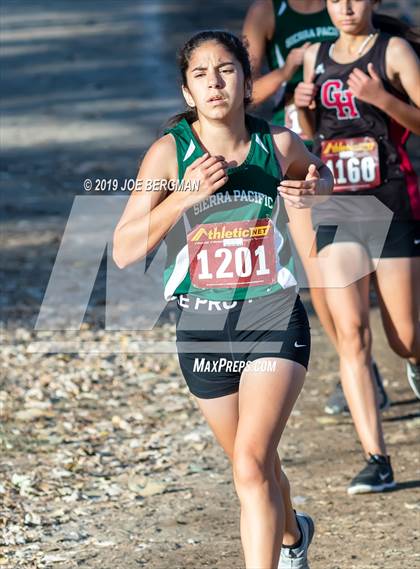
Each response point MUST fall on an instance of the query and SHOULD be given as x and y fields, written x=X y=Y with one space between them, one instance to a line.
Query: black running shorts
x=402 y=239
x=216 y=341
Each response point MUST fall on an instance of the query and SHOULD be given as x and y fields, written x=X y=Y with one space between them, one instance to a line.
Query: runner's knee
x=354 y=338
x=250 y=470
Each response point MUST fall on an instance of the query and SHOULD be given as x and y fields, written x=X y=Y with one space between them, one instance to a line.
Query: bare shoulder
x=400 y=54
x=284 y=145
x=311 y=53
x=163 y=147
x=161 y=156
x=260 y=14
x=261 y=9
x=312 y=49
x=283 y=138
x=398 y=47
x=402 y=62
x=291 y=152
x=309 y=60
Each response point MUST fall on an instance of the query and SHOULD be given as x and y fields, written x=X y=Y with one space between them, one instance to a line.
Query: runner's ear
x=187 y=96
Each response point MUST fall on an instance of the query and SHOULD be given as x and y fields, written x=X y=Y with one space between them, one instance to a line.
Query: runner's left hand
x=367 y=88
x=299 y=193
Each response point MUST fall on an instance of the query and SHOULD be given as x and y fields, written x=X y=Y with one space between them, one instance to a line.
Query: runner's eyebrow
x=203 y=68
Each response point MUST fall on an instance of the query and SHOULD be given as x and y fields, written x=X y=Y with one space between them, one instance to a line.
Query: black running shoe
x=376 y=476
x=337 y=403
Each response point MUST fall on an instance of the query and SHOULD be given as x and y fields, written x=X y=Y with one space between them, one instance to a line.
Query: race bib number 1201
x=232 y=254
x=354 y=162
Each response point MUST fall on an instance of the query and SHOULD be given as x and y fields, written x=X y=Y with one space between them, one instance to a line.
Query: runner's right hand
x=210 y=171
x=305 y=93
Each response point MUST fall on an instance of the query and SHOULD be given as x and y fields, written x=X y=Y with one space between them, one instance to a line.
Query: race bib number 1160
x=232 y=254
x=354 y=162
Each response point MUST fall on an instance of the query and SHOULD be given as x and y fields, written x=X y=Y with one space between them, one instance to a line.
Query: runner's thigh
x=266 y=399
x=349 y=304
x=398 y=288
x=343 y=264
x=222 y=415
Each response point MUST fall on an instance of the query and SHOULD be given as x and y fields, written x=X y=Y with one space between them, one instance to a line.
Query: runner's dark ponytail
x=398 y=28
x=231 y=42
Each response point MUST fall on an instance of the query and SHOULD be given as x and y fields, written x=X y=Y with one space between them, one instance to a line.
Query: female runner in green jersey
x=233 y=259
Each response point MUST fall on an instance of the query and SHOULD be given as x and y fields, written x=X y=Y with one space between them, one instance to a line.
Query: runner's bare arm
x=305 y=92
x=306 y=174
x=403 y=70
x=150 y=215
x=258 y=29
x=139 y=228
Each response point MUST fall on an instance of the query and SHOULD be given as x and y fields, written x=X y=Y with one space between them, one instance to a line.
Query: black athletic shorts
x=402 y=239
x=216 y=341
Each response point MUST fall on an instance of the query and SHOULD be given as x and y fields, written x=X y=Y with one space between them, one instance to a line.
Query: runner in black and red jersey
x=360 y=99
x=280 y=31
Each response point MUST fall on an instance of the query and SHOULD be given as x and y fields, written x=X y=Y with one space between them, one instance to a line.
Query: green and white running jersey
x=293 y=29
x=249 y=194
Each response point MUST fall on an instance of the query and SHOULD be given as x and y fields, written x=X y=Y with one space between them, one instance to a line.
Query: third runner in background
x=279 y=32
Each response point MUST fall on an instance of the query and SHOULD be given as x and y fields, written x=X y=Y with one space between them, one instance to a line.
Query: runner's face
x=351 y=16
x=215 y=81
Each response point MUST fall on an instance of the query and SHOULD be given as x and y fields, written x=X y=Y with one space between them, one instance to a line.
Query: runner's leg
x=400 y=312
x=303 y=235
x=265 y=402
x=222 y=416
x=349 y=306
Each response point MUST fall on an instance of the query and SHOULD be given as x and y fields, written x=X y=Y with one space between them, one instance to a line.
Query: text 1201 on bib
x=232 y=254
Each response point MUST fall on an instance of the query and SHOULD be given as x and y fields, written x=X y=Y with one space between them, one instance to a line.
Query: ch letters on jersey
x=335 y=96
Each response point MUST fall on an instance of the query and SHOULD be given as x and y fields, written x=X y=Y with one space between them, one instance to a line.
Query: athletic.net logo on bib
x=334 y=96
x=232 y=254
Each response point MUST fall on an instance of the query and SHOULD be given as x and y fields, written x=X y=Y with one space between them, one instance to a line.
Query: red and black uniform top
x=363 y=146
